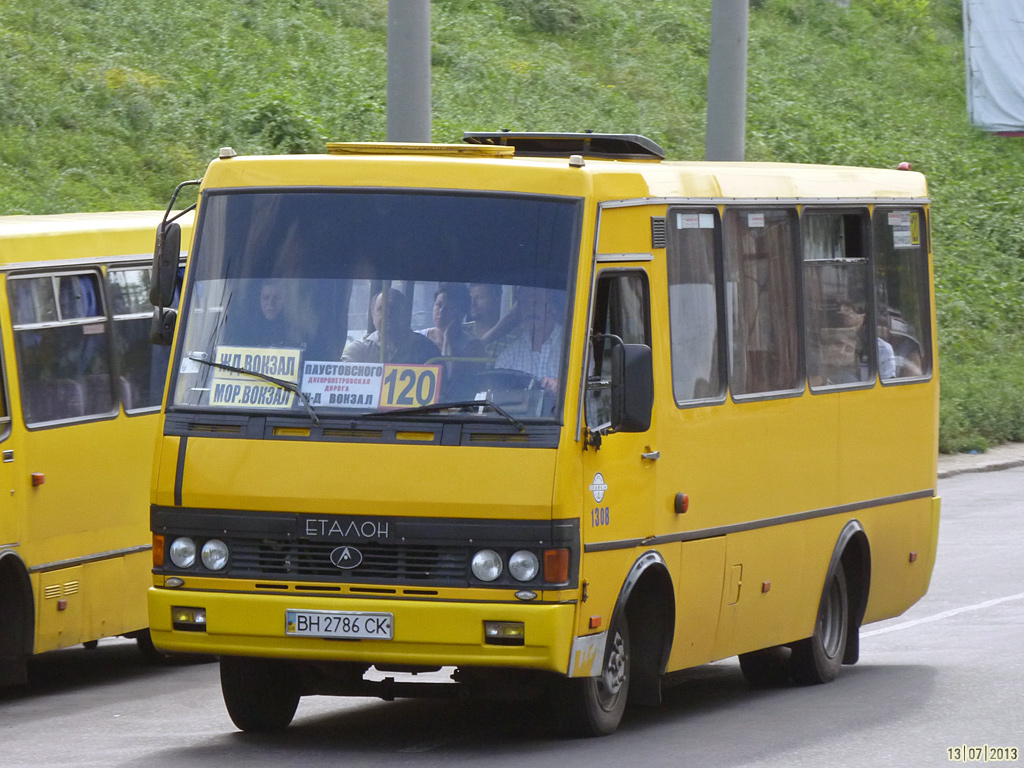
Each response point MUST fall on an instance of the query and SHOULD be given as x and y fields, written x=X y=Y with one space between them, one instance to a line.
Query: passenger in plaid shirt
x=537 y=349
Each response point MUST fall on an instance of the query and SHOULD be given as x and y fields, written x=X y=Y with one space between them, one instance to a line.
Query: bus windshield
x=360 y=302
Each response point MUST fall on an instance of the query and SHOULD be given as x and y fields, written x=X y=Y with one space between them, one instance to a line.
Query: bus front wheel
x=593 y=706
x=259 y=694
x=819 y=658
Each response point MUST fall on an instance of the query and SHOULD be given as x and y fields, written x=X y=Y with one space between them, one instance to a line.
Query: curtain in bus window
x=836 y=301
x=761 y=300
x=64 y=366
x=692 y=294
x=901 y=282
x=142 y=366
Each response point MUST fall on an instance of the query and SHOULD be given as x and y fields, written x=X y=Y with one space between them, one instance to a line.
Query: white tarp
x=994 y=51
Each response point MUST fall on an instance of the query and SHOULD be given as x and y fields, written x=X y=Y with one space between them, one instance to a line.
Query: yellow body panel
x=81 y=537
x=771 y=482
x=331 y=477
x=426 y=632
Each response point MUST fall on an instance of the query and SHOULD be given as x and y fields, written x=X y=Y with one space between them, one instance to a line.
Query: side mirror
x=166 y=255
x=632 y=388
x=161 y=330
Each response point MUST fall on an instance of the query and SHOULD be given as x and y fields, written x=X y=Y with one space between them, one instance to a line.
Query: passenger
x=268 y=327
x=849 y=317
x=451 y=305
x=537 y=349
x=486 y=322
x=403 y=344
x=484 y=308
x=839 y=360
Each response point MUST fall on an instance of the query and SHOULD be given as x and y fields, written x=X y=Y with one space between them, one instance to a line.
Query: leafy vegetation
x=107 y=104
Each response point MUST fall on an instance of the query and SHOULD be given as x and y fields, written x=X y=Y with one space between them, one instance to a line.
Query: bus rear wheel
x=593 y=706
x=819 y=658
x=260 y=694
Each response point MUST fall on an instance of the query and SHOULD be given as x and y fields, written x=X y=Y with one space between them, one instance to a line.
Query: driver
x=537 y=348
x=403 y=344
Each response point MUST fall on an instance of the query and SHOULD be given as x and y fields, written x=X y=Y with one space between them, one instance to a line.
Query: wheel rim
x=613 y=678
x=830 y=622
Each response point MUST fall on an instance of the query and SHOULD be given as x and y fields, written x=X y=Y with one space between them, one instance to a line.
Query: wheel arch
x=853 y=550
x=648 y=592
x=17 y=625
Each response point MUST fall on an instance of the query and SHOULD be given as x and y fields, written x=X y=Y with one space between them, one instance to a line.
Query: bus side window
x=621 y=308
x=761 y=300
x=903 y=311
x=63 y=355
x=142 y=366
x=693 y=288
x=841 y=345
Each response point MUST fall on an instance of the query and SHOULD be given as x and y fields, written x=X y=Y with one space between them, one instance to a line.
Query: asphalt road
x=947 y=673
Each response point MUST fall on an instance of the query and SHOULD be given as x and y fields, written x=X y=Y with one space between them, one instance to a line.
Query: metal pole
x=408 y=90
x=727 y=81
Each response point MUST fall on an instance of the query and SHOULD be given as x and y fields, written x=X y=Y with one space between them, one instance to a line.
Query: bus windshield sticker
x=377 y=386
x=410 y=386
x=231 y=388
x=755 y=220
x=331 y=383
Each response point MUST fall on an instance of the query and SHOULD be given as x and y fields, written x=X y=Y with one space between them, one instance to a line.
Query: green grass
x=107 y=104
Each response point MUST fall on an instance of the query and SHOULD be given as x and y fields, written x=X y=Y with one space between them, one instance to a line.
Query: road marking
x=943 y=615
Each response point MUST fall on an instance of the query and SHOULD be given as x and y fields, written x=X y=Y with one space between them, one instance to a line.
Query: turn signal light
x=556 y=566
x=158 y=550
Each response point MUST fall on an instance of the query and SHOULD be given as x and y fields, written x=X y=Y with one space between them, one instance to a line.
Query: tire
x=260 y=694
x=818 y=658
x=767 y=668
x=593 y=706
x=148 y=650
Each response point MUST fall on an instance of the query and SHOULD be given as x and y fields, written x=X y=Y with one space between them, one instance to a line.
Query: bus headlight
x=183 y=552
x=523 y=565
x=486 y=565
x=215 y=554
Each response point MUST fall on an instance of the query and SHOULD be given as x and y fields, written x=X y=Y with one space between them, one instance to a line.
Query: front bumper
x=426 y=632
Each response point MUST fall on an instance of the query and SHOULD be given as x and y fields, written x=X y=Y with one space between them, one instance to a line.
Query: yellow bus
x=80 y=391
x=548 y=410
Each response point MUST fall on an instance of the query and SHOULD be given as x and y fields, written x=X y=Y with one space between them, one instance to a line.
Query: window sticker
x=755 y=220
x=906 y=229
x=688 y=220
x=331 y=383
x=241 y=389
x=707 y=221
x=410 y=386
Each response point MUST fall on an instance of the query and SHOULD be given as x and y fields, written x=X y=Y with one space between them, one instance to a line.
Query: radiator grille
x=397 y=563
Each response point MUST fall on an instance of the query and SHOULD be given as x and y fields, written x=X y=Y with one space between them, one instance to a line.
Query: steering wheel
x=506 y=378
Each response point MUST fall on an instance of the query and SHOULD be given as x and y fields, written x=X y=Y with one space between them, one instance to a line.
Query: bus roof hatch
x=614 y=146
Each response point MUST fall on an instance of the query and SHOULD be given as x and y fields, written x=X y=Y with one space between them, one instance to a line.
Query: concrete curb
x=991 y=466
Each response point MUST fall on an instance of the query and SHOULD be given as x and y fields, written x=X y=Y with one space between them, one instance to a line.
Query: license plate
x=348 y=625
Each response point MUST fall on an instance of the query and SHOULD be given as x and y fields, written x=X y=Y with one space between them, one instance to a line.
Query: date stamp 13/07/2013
x=983 y=753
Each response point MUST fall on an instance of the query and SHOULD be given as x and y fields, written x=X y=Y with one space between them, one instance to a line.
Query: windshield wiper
x=445 y=406
x=272 y=379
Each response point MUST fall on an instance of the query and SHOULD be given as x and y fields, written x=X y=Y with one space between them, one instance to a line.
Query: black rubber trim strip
x=710 y=533
x=179 y=473
x=57 y=565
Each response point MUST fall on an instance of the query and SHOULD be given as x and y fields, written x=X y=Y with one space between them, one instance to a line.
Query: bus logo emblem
x=346 y=557
x=598 y=487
